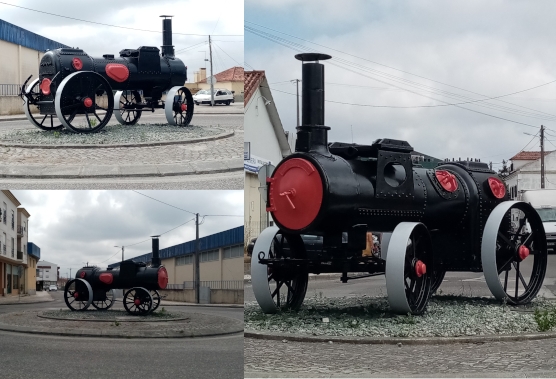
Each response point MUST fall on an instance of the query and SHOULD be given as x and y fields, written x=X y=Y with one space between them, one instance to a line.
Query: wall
x=216 y=296
x=31 y=276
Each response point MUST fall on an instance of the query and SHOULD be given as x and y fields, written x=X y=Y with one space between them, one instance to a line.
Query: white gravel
x=446 y=316
x=111 y=134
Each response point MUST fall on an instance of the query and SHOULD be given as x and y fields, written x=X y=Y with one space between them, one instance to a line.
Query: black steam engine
x=77 y=89
x=326 y=197
x=95 y=286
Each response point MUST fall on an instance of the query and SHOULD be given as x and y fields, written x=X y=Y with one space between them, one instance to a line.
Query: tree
x=504 y=171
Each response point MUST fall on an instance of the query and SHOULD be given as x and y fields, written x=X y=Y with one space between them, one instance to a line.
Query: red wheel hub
x=420 y=268
x=76 y=295
x=88 y=102
x=137 y=301
x=523 y=252
x=183 y=107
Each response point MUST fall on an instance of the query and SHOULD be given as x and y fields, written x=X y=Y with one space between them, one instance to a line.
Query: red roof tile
x=528 y=155
x=234 y=74
x=252 y=81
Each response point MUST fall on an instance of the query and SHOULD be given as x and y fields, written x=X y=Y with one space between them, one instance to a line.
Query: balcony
x=20 y=255
x=20 y=231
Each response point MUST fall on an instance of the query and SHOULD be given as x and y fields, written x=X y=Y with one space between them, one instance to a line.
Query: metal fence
x=9 y=89
x=212 y=284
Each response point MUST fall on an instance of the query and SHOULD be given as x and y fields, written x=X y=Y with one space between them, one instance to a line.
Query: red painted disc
x=77 y=63
x=523 y=252
x=447 y=180
x=76 y=295
x=82 y=275
x=117 y=72
x=45 y=86
x=296 y=193
x=137 y=301
x=106 y=278
x=162 y=277
x=183 y=107
x=88 y=102
x=420 y=268
x=497 y=187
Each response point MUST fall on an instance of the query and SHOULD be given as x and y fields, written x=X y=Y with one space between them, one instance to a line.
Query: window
x=13 y=247
x=211 y=255
x=233 y=251
x=3 y=243
x=13 y=220
x=187 y=260
x=5 y=213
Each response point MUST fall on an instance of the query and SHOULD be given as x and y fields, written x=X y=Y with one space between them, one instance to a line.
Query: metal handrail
x=10 y=89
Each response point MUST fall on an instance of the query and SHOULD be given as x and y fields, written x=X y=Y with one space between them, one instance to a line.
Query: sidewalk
x=169 y=303
x=40 y=297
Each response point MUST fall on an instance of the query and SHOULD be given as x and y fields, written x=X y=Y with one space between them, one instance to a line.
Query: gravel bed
x=111 y=134
x=365 y=316
x=112 y=315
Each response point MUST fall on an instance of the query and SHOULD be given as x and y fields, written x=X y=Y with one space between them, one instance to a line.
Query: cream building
x=265 y=142
x=231 y=79
x=14 y=236
x=21 y=52
x=525 y=172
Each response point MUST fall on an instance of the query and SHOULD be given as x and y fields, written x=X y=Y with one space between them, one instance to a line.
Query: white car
x=53 y=287
x=221 y=96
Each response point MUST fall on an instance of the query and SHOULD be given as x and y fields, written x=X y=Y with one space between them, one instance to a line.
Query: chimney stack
x=312 y=134
x=155 y=262
x=167 y=47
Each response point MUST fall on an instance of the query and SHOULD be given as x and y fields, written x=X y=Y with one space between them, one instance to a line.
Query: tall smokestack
x=312 y=134
x=155 y=262
x=167 y=47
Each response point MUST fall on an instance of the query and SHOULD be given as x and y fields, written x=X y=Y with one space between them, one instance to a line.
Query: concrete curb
x=41 y=315
x=390 y=374
x=177 y=304
x=115 y=334
x=113 y=146
x=395 y=340
x=105 y=171
x=311 y=277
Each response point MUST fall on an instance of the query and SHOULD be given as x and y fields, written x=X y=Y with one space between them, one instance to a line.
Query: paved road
x=33 y=356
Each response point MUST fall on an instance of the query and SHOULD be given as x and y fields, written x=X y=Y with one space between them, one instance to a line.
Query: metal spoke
x=520 y=276
x=506 y=280
x=516 y=281
x=44 y=119
x=506 y=240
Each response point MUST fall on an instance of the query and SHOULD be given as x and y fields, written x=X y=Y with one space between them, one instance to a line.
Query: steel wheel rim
x=104 y=305
x=407 y=292
x=123 y=115
x=176 y=97
x=41 y=125
x=138 y=309
x=499 y=253
x=70 y=101
x=156 y=300
x=270 y=243
x=437 y=279
x=80 y=286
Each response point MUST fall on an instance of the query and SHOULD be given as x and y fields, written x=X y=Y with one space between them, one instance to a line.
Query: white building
x=265 y=142
x=525 y=172
x=47 y=274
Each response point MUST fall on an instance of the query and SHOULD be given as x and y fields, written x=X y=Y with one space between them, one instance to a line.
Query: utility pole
x=70 y=272
x=542 y=156
x=297 y=91
x=122 y=252
x=211 y=76
x=197 y=276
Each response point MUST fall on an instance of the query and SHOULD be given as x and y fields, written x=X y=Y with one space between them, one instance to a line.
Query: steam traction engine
x=77 y=89
x=94 y=286
x=325 y=198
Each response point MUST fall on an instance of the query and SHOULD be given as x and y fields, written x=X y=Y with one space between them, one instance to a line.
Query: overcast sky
x=222 y=18
x=492 y=48
x=75 y=227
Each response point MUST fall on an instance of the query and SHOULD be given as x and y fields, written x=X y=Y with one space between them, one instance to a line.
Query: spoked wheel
x=156 y=299
x=84 y=102
x=437 y=279
x=127 y=111
x=408 y=283
x=179 y=106
x=138 y=301
x=44 y=122
x=78 y=294
x=280 y=286
x=106 y=303
x=514 y=259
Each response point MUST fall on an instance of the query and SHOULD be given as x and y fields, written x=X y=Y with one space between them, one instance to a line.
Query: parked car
x=544 y=202
x=53 y=287
x=221 y=96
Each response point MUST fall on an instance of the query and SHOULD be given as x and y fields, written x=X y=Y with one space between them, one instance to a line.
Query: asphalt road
x=35 y=356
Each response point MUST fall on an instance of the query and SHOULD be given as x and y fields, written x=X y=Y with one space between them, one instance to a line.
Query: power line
x=170 y=205
x=239 y=64
x=390 y=67
x=296 y=47
x=116 y=26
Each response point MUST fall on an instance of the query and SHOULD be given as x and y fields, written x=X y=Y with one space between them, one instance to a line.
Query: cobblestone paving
x=226 y=148
x=523 y=358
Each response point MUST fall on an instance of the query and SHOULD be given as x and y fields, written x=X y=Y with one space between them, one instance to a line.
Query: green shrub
x=545 y=319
